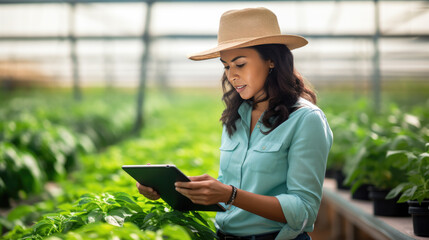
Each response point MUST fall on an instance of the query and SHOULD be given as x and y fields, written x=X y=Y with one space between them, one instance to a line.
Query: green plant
x=175 y=133
x=128 y=232
x=348 y=128
x=117 y=209
x=25 y=215
x=55 y=132
x=373 y=164
x=416 y=187
x=20 y=173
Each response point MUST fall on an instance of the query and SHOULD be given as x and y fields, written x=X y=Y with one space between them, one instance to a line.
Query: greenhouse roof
x=123 y=1
x=111 y=34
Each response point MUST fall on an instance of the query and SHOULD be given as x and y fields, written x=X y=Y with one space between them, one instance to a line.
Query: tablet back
x=162 y=178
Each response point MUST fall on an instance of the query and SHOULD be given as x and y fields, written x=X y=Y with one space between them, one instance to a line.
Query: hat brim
x=291 y=41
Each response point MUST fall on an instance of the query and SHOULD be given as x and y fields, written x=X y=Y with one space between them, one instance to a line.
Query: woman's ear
x=271 y=64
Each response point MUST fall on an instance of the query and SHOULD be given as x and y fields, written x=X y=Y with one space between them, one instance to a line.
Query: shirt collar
x=302 y=102
x=244 y=110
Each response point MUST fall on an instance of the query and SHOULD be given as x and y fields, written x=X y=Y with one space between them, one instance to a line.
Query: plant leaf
x=408 y=194
x=174 y=232
x=199 y=217
x=95 y=216
x=112 y=221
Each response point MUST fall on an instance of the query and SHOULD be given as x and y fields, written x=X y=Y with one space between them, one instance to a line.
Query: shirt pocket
x=266 y=157
x=226 y=151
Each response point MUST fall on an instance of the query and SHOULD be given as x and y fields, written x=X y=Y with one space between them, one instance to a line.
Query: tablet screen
x=162 y=178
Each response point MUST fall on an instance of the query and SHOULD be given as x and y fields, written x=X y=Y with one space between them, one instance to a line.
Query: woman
x=275 y=141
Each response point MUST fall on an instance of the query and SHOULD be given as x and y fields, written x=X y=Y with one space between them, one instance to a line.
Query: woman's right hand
x=147 y=192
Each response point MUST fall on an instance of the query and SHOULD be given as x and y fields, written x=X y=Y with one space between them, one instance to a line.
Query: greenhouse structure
x=87 y=86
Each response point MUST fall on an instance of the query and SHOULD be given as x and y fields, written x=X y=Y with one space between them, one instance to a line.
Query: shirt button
x=263 y=148
x=257 y=126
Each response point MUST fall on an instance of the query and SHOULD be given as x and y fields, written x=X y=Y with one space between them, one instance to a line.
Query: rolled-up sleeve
x=307 y=158
x=220 y=176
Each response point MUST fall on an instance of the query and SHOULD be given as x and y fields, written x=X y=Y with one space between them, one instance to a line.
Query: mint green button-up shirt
x=289 y=163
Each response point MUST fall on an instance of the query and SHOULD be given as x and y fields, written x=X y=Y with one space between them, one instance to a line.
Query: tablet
x=162 y=178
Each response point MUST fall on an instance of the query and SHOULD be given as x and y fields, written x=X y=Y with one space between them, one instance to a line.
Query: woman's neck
x=261 y=106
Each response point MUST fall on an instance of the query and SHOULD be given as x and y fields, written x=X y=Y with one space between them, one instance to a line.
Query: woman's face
x=246 y=71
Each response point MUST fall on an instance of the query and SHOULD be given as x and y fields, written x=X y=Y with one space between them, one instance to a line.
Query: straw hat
x=249 y=27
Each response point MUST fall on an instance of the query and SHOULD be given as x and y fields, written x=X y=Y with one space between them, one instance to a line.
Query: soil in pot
x=420 y=214
x=362 y=192
x=387 y=207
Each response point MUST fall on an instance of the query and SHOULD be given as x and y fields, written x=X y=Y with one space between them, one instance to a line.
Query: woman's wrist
x=231 y=199
x=228 y=192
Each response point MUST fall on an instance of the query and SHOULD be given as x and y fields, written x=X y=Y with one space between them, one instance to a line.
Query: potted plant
x=372 y=165
x=344 y=146
x=337 y=153
x=415 y=190
x=360 y=187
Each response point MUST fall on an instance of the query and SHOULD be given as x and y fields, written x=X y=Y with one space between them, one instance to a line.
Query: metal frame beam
x=146 y=40
x=198 y=36
x=145 y=1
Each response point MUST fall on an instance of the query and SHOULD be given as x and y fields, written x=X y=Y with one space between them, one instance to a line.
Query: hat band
x=245 y=39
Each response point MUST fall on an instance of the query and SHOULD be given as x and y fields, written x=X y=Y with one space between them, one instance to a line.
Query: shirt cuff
x=296 y=216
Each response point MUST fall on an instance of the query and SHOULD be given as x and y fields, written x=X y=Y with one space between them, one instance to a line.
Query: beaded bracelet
x=232 y=198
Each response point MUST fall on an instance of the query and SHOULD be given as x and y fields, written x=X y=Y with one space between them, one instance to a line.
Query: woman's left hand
x=204 y=190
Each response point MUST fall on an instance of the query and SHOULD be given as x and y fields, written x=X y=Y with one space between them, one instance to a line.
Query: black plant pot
x=4 y=201
x=387 y=207
x=362 y=192
x=330 y=173
x=340 y=177
x=420 y=214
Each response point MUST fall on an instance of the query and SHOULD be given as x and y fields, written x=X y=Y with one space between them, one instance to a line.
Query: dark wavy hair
x=283 y=88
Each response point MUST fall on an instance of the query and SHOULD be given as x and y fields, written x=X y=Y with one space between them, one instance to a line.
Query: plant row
x=384 y=157
x=381 y=149
x=175 y=133
x=41 y=139
x=122 y=215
